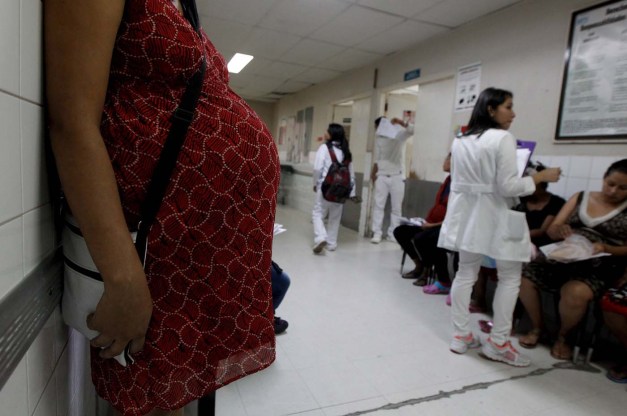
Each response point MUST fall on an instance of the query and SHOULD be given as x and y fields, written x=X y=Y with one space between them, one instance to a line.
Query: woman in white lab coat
x=479 y=221
x=326 y=237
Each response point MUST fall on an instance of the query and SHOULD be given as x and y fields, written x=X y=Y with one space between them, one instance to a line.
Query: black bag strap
x=181 y=119
x=332 y=153
x=191 y=13
x=334 y=158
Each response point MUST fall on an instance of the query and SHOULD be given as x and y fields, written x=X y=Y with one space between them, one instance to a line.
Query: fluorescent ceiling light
x=238 y=62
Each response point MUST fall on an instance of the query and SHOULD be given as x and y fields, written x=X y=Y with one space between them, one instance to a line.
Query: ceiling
x=299 y=43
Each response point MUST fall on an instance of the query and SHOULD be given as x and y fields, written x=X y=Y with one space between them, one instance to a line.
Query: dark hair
x=377 y=121
x=480 y=120
x=338 y=135
x=619 y=166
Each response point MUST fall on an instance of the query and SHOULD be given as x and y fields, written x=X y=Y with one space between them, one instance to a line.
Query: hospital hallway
x=363 y=341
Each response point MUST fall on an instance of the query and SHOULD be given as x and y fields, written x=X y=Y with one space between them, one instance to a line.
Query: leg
x=575 y=296
x=427 y=246
x=505 y=299
x=404 y=235
x=478 y=302
x=280 y=284
x=333 y=225
x=530 y=298
x=617 y=323
x=317 y=216
x=397 y=192
x=380 y=197
x=465 y=278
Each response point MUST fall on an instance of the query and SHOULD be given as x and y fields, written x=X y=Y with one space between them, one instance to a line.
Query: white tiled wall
x=39 y=385
x=580 y=173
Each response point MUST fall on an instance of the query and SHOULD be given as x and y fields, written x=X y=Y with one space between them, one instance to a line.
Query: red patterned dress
x=209 y=251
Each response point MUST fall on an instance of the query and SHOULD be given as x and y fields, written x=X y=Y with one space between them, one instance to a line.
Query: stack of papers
x=278 y=229
x=551 y=252
x=413 y=221
x=387 y=129
x=523 y=154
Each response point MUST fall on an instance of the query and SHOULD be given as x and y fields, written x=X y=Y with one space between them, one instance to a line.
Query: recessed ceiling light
x=238 y=62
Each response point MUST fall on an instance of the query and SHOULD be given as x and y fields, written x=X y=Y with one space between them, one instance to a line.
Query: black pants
x=422 y=244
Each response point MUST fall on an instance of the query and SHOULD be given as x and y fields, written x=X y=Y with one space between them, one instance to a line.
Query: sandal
x=561 y=350
x=618 y=374
x=530 y=339
x=421 y=281
x=413 y=274
x=436 y=289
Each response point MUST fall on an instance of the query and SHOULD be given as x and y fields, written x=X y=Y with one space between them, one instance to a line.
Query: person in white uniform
x=388 y=178
x=327 y=237
x=480 y=222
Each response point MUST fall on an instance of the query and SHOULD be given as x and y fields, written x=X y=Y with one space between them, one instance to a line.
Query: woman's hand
x=426 y=225
x=598 y=248
x=547 y=175
x=559 y=231
x=122 y=315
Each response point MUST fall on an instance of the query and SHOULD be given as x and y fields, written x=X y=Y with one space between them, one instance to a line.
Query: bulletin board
x=593 y=102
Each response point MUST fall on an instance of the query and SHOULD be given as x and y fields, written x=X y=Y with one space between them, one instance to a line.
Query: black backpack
x=337 y=186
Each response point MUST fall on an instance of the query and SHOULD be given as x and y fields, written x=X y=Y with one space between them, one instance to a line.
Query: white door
x=433 y=131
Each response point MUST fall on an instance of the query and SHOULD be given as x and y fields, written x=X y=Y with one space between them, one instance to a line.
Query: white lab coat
x=484 y=186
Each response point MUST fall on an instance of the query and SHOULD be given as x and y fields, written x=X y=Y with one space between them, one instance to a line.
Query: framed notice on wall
x=593 y=104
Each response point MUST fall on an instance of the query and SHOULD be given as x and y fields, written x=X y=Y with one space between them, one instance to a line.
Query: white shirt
x=388 y=153
x=484 y=187
x=323 y=161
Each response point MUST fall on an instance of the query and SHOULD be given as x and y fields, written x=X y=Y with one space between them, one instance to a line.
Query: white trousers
x=508 y=287
x=320 y=210
x=395 y=187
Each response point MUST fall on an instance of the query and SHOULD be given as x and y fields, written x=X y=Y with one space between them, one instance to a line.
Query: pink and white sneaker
x=505 y=353
x=461 y=344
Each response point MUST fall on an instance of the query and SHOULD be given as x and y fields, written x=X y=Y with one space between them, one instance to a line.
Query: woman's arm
x=318 y=166
x=507 y=180
x=79 y=40
x=608 y=248
x=539 y=232
x=559 y=230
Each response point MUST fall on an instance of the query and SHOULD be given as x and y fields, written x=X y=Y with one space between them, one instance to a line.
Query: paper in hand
x=387 y=129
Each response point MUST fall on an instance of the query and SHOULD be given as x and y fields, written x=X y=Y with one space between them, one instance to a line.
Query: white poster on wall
x=594 y=93
x=468 y=84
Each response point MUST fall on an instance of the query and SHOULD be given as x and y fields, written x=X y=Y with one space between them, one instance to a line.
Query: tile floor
x=363 y=341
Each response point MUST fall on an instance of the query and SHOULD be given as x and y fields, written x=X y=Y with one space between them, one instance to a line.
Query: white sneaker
x=376 y=239
x=389 y=239
x=505 y=353
x=318 y=247
x=461 y=344
x=331 y=248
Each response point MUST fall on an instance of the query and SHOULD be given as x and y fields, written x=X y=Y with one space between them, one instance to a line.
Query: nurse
x=479 y=221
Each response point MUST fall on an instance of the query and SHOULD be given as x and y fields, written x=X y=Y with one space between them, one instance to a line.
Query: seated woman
x=601 y=217
x=614 y=305
x=540 y=209
x=420 y=243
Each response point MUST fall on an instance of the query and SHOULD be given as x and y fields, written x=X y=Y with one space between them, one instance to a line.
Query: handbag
x=83 y=284
x=615 y=300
